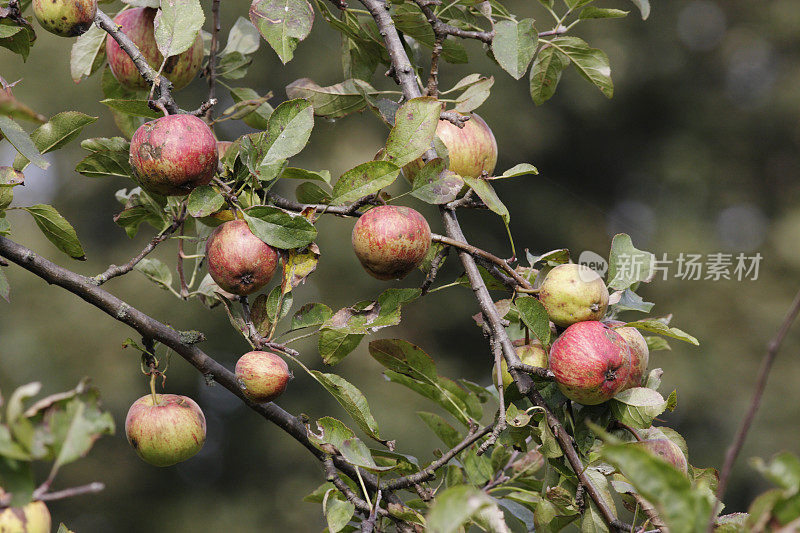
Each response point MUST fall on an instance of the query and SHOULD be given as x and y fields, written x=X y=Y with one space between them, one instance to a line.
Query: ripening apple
x=166 y=431
x=238 y=261
x=390 y=241
x=667 y=450
x=640 y=353
x=33 y=517
x=137 y=24
x=471 y=149
x=66 y=18
x=591 y=362
x=174 y=154
x=573 y=293
x=532 y=354
x=262 y=376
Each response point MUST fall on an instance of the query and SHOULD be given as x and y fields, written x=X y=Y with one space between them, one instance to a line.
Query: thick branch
x=162 y=87
x=766 y=364
x=442 y=29
x=341 y=210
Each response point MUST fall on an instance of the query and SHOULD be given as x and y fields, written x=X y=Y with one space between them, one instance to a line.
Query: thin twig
x=435 y=264
x=766 y=365
x=91 y=488
x=161 y=86
x=212 y=59
x=456 y=119
x=474 y=250
x=433 y=79
x=443 y=29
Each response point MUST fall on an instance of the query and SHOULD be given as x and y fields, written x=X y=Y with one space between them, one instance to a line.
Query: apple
x=137 y=24
x=33 y=517
x=532 y=354
x=174 y=154
x=640 y=353
x=471 y=149
x=165 y=430
x=238 y=261
x=666 y=450
x=573 y=293
x=591 y=362
x=262 y=376
x=390 y=241
x=67 y=18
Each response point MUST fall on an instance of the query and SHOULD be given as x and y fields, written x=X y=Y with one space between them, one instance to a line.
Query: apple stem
x=153 y=387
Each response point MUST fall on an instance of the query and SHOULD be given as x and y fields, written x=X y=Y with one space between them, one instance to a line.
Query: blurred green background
x=696 y=153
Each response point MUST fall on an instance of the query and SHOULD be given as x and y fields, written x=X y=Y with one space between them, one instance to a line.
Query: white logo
x=593 y=261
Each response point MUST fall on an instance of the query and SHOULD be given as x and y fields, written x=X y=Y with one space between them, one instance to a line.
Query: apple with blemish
x=138 y=25
x=391 y=241
x=262 y=376
x=174 y=154
x=591 y=362
x=640 y=353
x=66 y=18
x=165 y=429
x=238 y=261
x=573 y=293
x=472 y=150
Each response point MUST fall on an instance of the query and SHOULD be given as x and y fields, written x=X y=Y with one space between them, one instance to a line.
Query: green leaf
x=681 y=507
x=414 y=127
x=113 y=90
x=110 y=157
x=176 y=26
x=258 y=115
x=630 y=301
x=310 y=315
x=454 y=507
x=410 y=20
x=289 y=129
x=88 y=53
x=204 y=200
x=351 y=399
x=546 y=73
x=57 y=132
x=656 y=326
x=522 y=169
x=590 y=63
x=366 y=178
x=57 y=230
x=280 y=229
x=338 y=513
x=155 y=271
x=534 y=315
x=242 y=38
x=18 y=39
x=16 y=478
x=131 y=106
x=14 y=109
x=447 y=433
x=628 y=265
x=334 y=101
x=783 y=470
x=22 y=142
x=233 y=66
x=656 y=343
x=487 y=193
x=311 y=193
x=283 y=24
x=434 y=184
x=303 y=174
x=638 y=406
x=474 y=96
x=592 y=12
x=514 y=45
x=63 y=529
x=76 y=427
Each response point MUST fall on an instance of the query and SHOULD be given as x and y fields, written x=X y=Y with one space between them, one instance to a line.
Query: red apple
x=391 y=241
x=238 y=261
x=640 y=353
x=174 y=154
x=591 y=362
x=67 y=18
x=137 y=24
x=263 y=376
x=572 y=293
x=166 y=432
x=471 y=149
x=666 y=450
